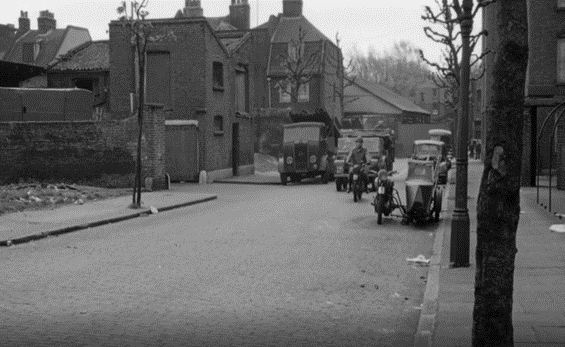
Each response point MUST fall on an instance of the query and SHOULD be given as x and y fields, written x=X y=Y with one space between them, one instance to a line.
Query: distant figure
x=478 y=151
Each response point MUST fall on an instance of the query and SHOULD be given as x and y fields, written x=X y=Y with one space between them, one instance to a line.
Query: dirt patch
x=37 y=196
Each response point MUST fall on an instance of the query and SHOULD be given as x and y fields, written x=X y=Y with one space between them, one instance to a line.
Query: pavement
x=539 y=276
x=21 y=227
x=268 y=178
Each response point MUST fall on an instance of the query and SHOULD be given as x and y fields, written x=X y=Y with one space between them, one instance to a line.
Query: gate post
x=154 y=159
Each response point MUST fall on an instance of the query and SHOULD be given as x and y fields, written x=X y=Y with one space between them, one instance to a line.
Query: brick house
x=39 y=47
x=324 y=89
x=197 y=78
x=86 y=66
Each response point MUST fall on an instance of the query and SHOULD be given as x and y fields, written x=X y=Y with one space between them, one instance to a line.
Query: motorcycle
x=360 y=180
x=385 y=201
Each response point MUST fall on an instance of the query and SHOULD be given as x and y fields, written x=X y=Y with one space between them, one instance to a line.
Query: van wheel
x=284 y=179
x=338 y=185
x=325 y=177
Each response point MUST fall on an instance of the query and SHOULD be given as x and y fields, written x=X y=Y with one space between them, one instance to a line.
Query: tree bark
x=498 y=206
x=140 y=121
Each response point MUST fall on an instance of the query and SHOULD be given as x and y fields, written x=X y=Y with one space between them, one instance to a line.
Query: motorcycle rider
x=358 y=156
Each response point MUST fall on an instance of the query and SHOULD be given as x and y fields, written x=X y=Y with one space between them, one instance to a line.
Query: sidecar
x=424 y=188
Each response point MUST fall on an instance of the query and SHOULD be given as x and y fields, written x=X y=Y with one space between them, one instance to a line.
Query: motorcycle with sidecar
x=425 y=181
x=385 y=201
x=427 y=175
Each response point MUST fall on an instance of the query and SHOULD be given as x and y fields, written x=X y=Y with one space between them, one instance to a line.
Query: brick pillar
x=154 y=132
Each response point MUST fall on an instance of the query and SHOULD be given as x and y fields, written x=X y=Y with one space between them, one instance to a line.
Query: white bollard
x=203 y=177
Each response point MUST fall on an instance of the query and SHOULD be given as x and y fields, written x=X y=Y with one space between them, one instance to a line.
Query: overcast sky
x=361 y=23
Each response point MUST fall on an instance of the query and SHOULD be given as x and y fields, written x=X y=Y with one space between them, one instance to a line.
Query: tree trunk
x=498 y=206
x=140 y=122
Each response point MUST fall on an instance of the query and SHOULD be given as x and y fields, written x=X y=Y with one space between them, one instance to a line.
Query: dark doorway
x=235 y=149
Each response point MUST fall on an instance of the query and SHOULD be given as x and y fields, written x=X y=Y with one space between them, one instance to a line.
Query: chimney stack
x=46 y=21
x=193 y=9
x=23 y=23
x=240 y=13
x=292 y=8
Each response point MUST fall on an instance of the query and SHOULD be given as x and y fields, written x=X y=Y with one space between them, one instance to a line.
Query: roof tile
x=93 y=55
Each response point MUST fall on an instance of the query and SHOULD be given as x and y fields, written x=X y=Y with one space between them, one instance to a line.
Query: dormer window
x=295 y=51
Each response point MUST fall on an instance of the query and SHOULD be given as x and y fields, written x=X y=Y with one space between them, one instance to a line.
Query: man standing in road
x=357 y=156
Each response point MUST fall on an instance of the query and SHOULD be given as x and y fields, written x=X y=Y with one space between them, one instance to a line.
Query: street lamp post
x=460 y=225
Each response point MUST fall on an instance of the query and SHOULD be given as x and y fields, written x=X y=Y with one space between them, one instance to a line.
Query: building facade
x=545 y=83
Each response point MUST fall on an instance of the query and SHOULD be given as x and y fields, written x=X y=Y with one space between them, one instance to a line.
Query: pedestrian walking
x=478 y=151
x=472 y=150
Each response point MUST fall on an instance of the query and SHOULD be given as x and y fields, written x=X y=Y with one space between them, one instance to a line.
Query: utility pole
x=460 y=224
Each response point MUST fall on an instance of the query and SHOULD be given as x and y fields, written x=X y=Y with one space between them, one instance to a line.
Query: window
x=422 y=97
x=218 y=71
x=293 y=50
x=304 y=92
x=284 y=92
x=561 y=60
x=218 y=125
x=241 y=90
x=435 y=92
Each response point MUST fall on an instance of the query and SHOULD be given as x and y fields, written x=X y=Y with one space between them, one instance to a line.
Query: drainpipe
x=269 y=87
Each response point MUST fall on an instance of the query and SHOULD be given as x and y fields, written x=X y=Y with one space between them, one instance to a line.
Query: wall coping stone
x=182 y=122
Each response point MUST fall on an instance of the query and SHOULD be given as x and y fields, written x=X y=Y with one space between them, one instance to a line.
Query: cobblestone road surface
x=261 y=266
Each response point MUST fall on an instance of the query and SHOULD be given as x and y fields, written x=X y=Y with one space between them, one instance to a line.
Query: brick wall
x=83 y=152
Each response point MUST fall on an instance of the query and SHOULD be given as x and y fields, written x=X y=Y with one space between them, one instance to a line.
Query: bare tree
x=299 y=66
x=446 y=30
x=345 y=74
x=399 y=69
x=142 y=33
x=498 y=205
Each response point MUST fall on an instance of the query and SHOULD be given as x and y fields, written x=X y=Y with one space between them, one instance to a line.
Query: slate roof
x=287 y=30
x=53 y=39
x=371 y=98
x=220 y=23
x=232 y=44
x=389 y=96
x=94 y=55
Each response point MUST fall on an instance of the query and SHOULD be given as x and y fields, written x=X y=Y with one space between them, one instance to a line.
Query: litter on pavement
x=419 y=259
x=557 y=228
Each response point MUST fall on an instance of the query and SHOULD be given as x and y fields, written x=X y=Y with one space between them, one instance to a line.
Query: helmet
x=359 y=139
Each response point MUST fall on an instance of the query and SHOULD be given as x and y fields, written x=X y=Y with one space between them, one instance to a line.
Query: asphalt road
x=300 y=265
